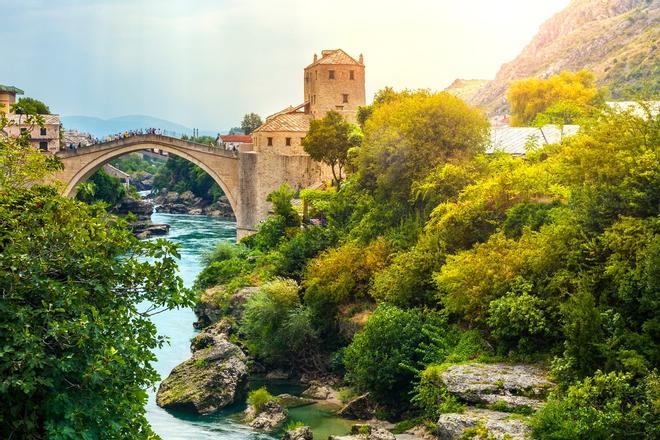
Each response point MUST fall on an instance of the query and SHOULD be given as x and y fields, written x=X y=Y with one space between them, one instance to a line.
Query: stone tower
x=335 y=81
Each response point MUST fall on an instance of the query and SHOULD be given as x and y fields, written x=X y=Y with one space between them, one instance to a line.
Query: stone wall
x=325 y=94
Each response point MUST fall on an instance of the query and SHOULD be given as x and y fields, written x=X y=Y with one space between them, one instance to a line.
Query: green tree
x=377 y=359
x=281 y=200
x=107 y=188
x=404 y=139
x=329 y=140
x=564 y=97
x=250 y=122
x=75 y=334
x=28 y=105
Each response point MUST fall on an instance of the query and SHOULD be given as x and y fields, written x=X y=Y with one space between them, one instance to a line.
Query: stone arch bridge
x=245 y=176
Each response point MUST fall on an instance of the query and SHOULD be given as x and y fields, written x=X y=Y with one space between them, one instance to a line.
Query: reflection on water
x=197 y=235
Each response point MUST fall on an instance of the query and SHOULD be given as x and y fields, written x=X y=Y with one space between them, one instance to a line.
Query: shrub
x=605 y=406
x=295 y=253
x=222 y=251
x=271 y=233
x=431 y=395
x=259 y=398
x=343 y=273
x=221 y=272
x=519 y=320
x=277 y=327
x=379 y=358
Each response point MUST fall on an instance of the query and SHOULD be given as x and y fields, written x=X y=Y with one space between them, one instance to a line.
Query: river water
x=197 y=235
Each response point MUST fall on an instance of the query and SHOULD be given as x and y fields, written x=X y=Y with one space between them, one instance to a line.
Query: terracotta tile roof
x=245 y=138
x=21 y=119
x=289 y=121
x=335 y=56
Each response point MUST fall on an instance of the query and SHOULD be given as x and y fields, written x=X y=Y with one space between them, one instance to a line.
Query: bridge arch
x=223 y=168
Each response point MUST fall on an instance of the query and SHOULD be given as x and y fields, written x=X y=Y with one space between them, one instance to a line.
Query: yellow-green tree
x=565 y=96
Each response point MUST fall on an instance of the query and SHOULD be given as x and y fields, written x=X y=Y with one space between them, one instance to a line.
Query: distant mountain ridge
x=99 y=127
x=615 y=39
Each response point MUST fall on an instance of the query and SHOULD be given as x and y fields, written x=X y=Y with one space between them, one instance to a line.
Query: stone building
x=335 y=81
x=46 y=137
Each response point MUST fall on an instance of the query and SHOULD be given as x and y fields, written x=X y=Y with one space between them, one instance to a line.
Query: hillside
x=466 y=88
x=103 y=127
x=616 y=39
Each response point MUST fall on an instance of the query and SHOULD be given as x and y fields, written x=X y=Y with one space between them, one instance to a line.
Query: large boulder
x=214 y=377
x=140 y=207
x=360 y=407
x=301 y=433
x=499 y=425
x=271 y=416
x=515 y=386
x=318 y=391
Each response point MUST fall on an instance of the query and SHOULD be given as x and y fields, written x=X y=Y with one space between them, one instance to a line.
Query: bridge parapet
x=157 y=140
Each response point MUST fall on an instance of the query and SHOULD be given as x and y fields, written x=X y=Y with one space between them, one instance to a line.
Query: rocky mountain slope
x=617 y=40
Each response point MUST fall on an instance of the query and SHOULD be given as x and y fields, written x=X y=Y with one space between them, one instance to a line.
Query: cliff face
x=617 y=40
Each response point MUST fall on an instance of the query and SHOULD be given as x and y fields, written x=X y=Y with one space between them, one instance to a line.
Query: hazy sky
x=204 y=63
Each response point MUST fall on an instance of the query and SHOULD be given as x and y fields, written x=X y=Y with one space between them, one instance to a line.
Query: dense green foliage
x=30 y=106
x=552 y=258
x=76 y=341
x=102 y=187
x=605 y=406
x=181 y=175
x=65 y=287
x=132 y=163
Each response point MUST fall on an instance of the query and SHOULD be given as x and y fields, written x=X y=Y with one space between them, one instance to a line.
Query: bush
x=221 y=272
x=295 y=253
x=223 y=251
x=521 y=321
x=259 y=398
x=380 y=357
x=605 y=406
x=271 y=233
x=431 y=395
x=277 y=327
x=343 y=274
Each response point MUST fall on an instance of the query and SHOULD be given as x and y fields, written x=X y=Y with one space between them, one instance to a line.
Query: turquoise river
x=197 y=235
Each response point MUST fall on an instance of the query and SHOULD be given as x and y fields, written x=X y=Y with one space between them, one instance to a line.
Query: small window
x=339 y=107
x=331 y=74
x=316 y=74
x=23 y=130
x=43 y=132
x=270 y=141
x=351 y=74
x=288 y=142
x=43 y=145
x=313 y=99
x=344 y=98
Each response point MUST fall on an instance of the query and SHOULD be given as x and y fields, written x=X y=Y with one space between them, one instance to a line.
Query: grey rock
x=214 y=377
x=278 y=375
x=317 y=391
x=365 y=432
x=301 y=433
x=500 y=425
x=515 y=385
x=269 y=419
x=290 y=401
x=360 y=407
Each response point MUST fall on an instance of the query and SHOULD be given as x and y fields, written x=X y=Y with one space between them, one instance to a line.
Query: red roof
x=244 y=138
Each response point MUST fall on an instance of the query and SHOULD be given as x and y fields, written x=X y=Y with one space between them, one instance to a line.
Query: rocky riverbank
x=172 y=202
x=142 y=227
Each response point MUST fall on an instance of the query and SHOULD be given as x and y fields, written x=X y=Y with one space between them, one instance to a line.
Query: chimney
x=361 y=59
x=314 y=57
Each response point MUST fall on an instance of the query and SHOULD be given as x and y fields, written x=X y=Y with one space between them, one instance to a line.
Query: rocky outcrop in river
x=503 y=388
x=171 y=202
x=271 y=416
x=142 y=209
x=214 y=377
